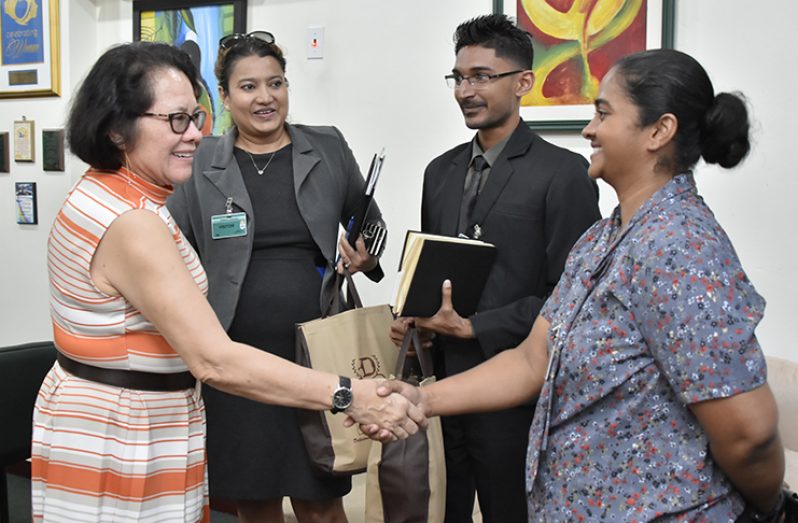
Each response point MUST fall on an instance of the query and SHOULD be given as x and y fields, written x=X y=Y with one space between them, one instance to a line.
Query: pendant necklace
x=261 y=171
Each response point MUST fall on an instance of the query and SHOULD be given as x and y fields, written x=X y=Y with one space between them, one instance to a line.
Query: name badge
x=230 y=225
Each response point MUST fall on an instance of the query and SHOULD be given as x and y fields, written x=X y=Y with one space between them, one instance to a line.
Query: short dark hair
x=497 y=32
x=668 y=81
x=242 y=48
x=116 y=91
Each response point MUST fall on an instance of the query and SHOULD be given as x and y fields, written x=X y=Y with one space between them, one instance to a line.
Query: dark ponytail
x=724 y=137
x=668 y=81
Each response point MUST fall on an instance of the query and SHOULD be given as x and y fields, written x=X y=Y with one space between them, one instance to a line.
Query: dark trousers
x=486 y=453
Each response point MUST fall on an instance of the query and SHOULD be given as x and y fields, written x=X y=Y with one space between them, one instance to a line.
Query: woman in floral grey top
x=653 y=402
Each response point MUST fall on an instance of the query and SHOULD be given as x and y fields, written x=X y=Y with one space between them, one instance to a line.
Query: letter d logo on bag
x=367 y=367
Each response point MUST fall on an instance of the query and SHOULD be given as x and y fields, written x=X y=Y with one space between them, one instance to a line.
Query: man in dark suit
x=532 y=200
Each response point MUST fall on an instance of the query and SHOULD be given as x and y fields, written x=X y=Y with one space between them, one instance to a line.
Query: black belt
x=128 y=379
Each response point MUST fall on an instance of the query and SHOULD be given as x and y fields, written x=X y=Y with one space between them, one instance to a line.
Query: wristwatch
x=342 y=396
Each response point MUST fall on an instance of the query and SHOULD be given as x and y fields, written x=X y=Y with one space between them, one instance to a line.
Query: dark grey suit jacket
x=537 y=201
x=328 y=186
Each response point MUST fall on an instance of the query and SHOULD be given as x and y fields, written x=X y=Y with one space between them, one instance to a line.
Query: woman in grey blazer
x=262 y=210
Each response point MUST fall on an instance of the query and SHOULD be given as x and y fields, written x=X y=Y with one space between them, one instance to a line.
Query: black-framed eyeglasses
x=477 y=80
x=180 y=121
x=229 y=41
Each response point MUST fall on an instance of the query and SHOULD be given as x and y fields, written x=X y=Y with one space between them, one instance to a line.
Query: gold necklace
x=261 y=171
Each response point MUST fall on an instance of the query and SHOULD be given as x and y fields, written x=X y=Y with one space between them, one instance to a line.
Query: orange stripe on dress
x=92 y=482
x=90 y=192
x=142 y=343
x=116 y=185
x=89 y=211
x=63 y=241
x=127 y=187
x=146 y=413
x=128 y=443
x=70 y=227
x=145 y=343
x=90 y=349
x=72 y=401
x=104 y=421
x=121 y=460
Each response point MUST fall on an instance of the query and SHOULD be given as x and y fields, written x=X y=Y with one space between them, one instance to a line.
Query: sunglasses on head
x=230 y=40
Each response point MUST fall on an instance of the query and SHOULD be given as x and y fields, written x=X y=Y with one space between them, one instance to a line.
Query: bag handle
x=351 y=290
x=424 y=356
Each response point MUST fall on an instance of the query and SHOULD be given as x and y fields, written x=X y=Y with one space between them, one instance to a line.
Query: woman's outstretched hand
x=399 y=394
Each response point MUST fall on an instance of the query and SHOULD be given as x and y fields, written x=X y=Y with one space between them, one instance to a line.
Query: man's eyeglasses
x=230 y=40
x=478 y=80
x=179 y=122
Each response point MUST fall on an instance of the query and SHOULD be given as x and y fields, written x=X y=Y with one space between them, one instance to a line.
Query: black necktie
x=471 y=193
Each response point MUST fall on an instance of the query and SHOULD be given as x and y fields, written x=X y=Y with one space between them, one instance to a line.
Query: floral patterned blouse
x=644 y=322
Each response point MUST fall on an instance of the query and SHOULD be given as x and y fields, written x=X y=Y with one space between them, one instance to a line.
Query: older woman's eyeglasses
x=230 y=40
x=478 y=80
x=180 y=121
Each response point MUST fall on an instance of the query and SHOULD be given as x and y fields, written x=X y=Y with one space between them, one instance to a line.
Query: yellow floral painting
x=576 y=42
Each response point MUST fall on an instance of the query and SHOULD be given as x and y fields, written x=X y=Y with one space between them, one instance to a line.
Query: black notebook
x=428 y=260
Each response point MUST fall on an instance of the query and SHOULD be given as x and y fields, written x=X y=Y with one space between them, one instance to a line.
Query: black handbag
x=790 y=506
x=787 y=514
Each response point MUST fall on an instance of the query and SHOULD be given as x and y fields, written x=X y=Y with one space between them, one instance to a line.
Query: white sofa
x=783 y=380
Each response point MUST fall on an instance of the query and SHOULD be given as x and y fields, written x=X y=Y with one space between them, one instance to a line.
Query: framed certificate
x=30 y=54
x=23 y=140
x=26 y=203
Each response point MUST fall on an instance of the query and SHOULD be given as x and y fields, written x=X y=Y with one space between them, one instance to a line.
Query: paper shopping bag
x=406 y=481
x=354 y=343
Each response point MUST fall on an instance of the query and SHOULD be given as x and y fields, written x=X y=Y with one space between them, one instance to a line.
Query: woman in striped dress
x=119 y=425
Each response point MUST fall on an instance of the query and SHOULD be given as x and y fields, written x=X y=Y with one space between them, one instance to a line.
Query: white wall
x=24 y=314
x=752 y=51
x=381 y=82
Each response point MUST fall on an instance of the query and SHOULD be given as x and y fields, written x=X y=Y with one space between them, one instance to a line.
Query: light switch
x=315 y=42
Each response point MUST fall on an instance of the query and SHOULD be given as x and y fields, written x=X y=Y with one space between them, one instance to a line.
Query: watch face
x=342 y=399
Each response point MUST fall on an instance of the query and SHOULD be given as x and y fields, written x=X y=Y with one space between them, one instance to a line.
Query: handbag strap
x=424 y=356
x=351 y=290
x=335 y=300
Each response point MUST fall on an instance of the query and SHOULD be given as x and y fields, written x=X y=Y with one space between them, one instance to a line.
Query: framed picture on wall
x=53 y=150
x=4 y=163
x=30 y=54
x=23 y=140
x=196 y=27
x=25 y=194
x=574 y=50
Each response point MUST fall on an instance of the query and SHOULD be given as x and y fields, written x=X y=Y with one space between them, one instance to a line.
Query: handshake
x=387 y=410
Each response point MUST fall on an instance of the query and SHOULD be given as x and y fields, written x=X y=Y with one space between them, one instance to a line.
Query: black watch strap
x=342 y=396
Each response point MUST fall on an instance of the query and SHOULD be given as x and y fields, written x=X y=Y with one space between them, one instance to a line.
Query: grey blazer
x=328 y=186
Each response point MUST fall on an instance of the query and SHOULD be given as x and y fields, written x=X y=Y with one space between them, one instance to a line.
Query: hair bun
x=724 y=136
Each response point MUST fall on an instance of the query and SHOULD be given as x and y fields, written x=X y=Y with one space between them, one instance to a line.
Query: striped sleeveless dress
x=104 y=453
